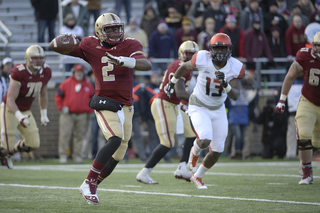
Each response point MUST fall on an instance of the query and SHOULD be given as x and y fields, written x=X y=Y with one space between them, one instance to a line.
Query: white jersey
x=208 y=89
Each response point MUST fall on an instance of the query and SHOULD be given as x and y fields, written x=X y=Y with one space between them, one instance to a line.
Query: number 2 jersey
x=311 y=70
x=111 y=81
x=208 y=89
x=31 y=85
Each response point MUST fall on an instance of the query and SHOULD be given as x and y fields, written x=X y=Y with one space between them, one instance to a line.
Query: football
x=64 y=44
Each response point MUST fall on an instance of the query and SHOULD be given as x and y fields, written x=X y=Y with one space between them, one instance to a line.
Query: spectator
x=162 y=45
x=273 y=18
x=228 y=5
x=80 y=13
x=185 y=33
x=94 y=9
x=27 y=81
x=307 y=7
x=70 y=26
x=150 y=20
x=315 y=16
x=134 y=31
x=205 y=36
x=249 y=14
x=297 y=10
x=274 y=131
x=46 y=12
x=72 y=99
x=172 y=12
x=216 y=13
x=128 y=7
x=282 y=9
x=236 y=35
x=6 y=66
x=196 y=13
x=294 y=37
x=256 y=44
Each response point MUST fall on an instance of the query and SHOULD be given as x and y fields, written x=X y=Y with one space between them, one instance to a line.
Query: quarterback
x=27 y=81
x=307 y=118
x=113 y=60
x=219 y=77
x=167 y=114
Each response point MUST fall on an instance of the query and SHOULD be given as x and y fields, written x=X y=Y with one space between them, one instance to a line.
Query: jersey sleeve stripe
x=194 y=59
x=242 y=71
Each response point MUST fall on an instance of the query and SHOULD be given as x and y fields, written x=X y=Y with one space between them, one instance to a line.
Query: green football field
x=233 y=186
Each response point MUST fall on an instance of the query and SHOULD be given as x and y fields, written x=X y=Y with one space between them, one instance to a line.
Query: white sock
x=146 y=170
x=196 y=149
x=201 y=170
x=182 y=166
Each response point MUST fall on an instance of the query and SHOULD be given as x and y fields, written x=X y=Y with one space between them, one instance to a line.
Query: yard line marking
x=165 y=194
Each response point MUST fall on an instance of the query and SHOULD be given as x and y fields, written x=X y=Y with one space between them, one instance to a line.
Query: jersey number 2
x=106 y=69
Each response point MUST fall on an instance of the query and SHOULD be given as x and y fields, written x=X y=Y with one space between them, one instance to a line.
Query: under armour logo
x=102 y=102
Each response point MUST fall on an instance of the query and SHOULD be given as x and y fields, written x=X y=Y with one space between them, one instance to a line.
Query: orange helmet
x=217 y=41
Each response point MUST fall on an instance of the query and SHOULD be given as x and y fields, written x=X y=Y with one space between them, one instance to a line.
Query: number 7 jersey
x=208 y=89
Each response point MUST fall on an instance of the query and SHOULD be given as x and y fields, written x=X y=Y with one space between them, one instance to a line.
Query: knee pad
x=304 y=145
x=204 y=143
x=23 y=148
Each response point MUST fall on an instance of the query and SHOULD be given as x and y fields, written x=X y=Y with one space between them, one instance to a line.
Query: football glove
x=169 y=89
x=23 y=119
x=44 y=118
x=222 y=78
x=280 y=106
x=121 y=61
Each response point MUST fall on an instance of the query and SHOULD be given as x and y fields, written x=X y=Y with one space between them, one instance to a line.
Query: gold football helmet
x=109 y=28
x=187 y=49
x=35 y=57
x=315 y=43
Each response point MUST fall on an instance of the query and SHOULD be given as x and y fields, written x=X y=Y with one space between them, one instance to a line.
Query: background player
x=166 y=114
x=113 y=60
x=307 y=118
x=27 y=81
x=206 y=104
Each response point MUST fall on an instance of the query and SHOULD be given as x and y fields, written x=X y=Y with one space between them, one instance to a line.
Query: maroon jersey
x=311 y=71
x=167 y=76
x=31 y=85
x=111 y=81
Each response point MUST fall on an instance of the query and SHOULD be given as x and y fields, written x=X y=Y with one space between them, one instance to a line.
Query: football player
x=113 y=60
x=166 y=113
x=27 y=81
x=219 y=77
x=307 y=118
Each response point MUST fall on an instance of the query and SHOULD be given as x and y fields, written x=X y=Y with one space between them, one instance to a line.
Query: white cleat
x=8 y=162
x=88 y=189
x=307 y=176
x=181 y=173
x=143 y=176
x=192 y=162
x=198 y=182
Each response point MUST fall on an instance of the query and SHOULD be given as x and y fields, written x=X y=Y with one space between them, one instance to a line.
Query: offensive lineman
x=307 y=61
x=27 y=81
x=165 y=112
x=113 y=60
x=219 y=76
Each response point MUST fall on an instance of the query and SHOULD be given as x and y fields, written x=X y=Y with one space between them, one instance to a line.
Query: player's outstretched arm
x=43 y=103
x=143 y=64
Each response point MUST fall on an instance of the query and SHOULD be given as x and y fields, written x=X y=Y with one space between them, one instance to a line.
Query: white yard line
x=165 y=194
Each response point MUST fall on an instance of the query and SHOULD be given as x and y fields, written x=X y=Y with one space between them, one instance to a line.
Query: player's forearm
x=43 y=102
x=143 y=65
x=181 y=71
x=11 y=104
x=233 y=94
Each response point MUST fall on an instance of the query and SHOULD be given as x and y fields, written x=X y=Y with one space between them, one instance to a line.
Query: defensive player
x=219 y=77
x=166 y=113
x=27 y=81
x=113 y=60
x=307 y=118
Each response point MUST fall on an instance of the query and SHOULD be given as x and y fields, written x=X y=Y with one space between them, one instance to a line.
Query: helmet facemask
x=112 y=34
x=220 y=52
x=37 y=62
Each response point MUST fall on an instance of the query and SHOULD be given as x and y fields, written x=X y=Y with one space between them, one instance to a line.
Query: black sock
x=105 y=153
x=188 y=143
x=158 y=153
x=111 y=164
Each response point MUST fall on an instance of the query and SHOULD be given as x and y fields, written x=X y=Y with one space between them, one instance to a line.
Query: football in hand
x=64 y=44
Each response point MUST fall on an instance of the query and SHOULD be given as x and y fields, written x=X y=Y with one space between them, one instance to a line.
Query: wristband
x=174 y=80
x=19 y=115
x=283 y=97
x=228 y=88
x=129 y=62
x=43 y=112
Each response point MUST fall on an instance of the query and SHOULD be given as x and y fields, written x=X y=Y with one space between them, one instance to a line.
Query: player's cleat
x=182 y=173
x=192 y=162
x=307 y=176
x=143 y=176
x=8 y=162
x=88 y=189
x=198 y=182
x=300 y=168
